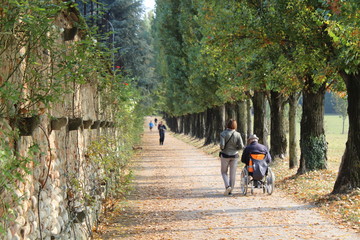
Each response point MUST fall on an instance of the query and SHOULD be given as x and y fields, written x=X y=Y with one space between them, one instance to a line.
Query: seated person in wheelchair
x=259 y=156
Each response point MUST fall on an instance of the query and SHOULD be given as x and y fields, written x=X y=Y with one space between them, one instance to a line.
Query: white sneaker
x=227 y=191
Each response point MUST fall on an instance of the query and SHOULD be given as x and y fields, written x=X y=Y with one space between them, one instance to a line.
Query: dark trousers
x=162 y=137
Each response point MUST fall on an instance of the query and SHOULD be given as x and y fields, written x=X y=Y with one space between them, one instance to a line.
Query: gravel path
x=179 y=195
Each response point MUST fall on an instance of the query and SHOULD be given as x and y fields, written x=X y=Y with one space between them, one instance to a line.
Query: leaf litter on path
x=179 y=195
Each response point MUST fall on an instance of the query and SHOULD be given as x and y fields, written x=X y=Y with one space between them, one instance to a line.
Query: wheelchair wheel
x=270 y=181
x=252 y=186
x=264 y=188
x=244 y=181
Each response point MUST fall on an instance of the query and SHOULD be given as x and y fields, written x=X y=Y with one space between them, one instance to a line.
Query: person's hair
x=232 y=124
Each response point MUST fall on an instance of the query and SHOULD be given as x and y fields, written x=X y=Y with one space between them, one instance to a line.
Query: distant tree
x=329 y=109
x=339 y=102
x=126 y=31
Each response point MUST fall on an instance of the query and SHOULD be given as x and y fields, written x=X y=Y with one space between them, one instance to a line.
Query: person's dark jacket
x=255 y=147
x=161 y=128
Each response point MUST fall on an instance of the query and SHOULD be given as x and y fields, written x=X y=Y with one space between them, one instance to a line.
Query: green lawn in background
x=336 y=140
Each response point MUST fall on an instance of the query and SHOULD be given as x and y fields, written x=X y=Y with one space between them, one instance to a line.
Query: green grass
x=335 y=138
x=333 y=125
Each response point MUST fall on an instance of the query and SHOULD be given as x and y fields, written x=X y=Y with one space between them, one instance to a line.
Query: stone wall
x=53 y=203
x=61 y=198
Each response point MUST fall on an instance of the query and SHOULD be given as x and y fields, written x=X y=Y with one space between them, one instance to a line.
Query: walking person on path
x=161 y=128
x=155 y=120
x=230 y=143
x=151 y=125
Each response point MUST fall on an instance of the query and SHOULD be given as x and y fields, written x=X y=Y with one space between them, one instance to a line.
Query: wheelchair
x=257 y=173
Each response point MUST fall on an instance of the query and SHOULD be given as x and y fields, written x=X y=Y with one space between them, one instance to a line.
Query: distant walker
x=161 y=128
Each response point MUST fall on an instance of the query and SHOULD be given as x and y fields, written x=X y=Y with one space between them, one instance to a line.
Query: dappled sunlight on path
x=179 y=195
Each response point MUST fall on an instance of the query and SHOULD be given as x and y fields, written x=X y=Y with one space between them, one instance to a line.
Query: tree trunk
x=178 y=124
x=198 y=125
x=349 y=172
x=230 y=111
x=187 y=120
x=215 y=119
x=293 y=158
x=85 y=10
x=278 y=141
x=221 y=122
x=192 y=124
x=195 y=125
x=259 y=103
x=172 y=123
x=202 y=125
x=312 y=135
x=241 y=117
x=248 y=119
x=210 y=126
x=181 y=124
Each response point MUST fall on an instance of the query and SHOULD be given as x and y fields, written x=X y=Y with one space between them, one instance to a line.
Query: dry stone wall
x=53 y=204
x=61 y=198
